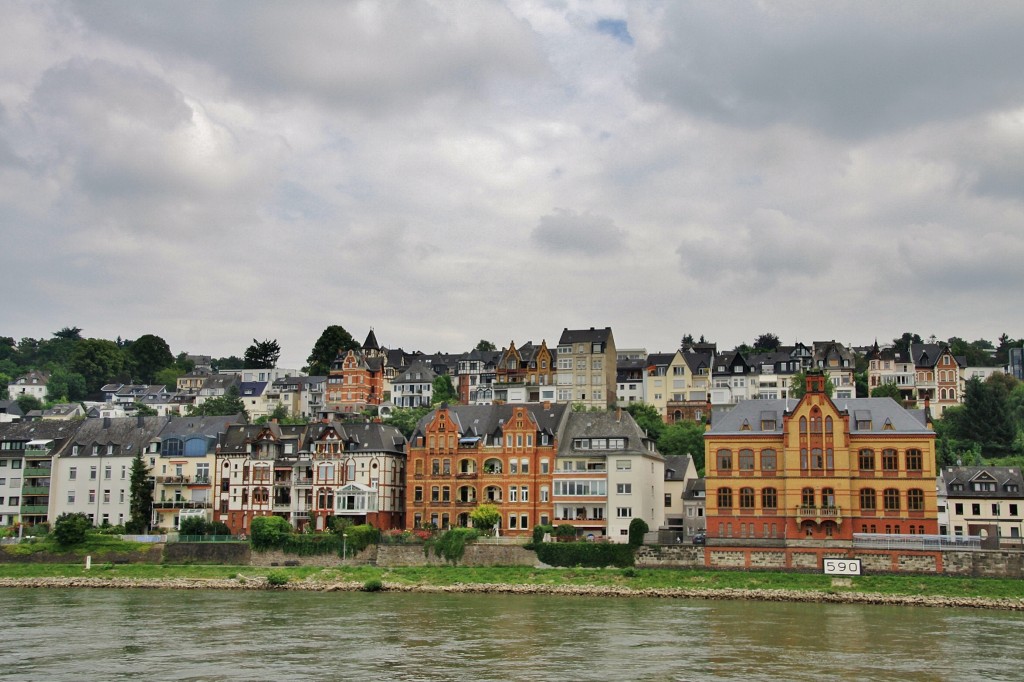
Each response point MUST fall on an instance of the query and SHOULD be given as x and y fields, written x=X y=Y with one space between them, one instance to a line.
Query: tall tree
x=98 y=360
x=140 y=502
x=485 y=345
x=64 y=385
x=444 y=391
x=767 y=342
x=647 y=418
x=230 y=362
x=902 y=344
x=147 y=355
x=332 y=341
x=687 y=340
x=69 y=333
x=262 y=354
x=224 y=405
x=684 y=438
x=986 y=419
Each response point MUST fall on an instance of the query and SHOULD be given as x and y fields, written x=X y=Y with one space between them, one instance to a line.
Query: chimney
x=618 y=414
x=547 y=404
x=106 y=422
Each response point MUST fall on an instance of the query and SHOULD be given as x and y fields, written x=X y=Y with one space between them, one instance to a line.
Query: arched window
x=891 y=499
x=915 y=499
x=866 y=459
x=828 y=497
x=803 y=424
x=725 y=498
x=807 y=497
x=769 y=460
x=746 y=460
x=828 y=424
x=914 y=459
x=724 y=459
x=868 y=499
x=746 y=498
x=890 y=462
x=769 y=498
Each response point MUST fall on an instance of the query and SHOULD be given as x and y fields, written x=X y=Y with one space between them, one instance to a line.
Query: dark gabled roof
x=928 y=354
x=613 y=424
x=697 y=360
x=659 y=359
x=179 y=427
x=128 y=435
x=591 y=335
x=10 y=407
x=693 y=486
x=418 y=366
x=676 y=466
x=1003 y=477
x=26 y=431
x=251 y=388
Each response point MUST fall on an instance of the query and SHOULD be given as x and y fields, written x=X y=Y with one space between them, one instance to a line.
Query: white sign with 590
x=842 y=566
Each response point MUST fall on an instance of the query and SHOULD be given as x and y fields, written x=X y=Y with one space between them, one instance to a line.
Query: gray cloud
x=853 y=70
x=566 y=231
x=366 y=55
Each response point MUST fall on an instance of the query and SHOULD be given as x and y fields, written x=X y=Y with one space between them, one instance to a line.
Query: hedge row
x=588 y=554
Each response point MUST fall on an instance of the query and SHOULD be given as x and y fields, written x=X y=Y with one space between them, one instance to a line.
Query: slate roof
x=694 y=486
x=585 y=335
x=127 y=435
x=10 y=407
x=927 y=354
x=612 y=424
x=877 y=411
x=676 y=466
x=207 y=426
x=1003 y=477
x=27 y=431
x=371 y=341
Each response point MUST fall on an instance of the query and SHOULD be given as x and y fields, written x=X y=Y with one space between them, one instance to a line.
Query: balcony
x=818 y=514
x=183 y=480
x=181 y=504
x=37 y=471
x=34 y=509
x=35 y=490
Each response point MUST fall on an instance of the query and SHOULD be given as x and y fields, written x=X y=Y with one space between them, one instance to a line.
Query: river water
x=95 y=634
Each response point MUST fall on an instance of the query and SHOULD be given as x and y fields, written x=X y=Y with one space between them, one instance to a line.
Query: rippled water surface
x=193 y=635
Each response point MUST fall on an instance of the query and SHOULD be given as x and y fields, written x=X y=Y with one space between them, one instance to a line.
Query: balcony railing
x=33 y=509
x=35 y=490
x=183 y=480
x=37 y=471
x=818 y=513
x=181 y=504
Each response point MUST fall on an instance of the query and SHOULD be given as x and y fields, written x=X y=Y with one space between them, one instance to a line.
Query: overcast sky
x=449 y=171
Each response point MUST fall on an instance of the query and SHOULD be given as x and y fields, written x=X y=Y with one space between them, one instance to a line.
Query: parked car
x=700 y=538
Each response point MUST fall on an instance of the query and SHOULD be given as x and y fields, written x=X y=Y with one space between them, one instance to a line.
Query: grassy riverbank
x=622 y=579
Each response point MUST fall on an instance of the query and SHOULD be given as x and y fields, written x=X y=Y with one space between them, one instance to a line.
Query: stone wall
x=984 y=563
x=475 y=555
x=669 y=556
x=229 y=553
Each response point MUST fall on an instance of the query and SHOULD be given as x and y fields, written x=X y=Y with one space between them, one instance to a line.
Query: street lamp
x=344 y=546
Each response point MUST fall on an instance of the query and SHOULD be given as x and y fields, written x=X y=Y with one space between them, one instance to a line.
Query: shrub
x=630 y=572
x=452 y=543
x=360 y=537
x=277 y=578
x=565 y=531
x=485 y=517
x=589 y=554
x=193 y=525
x=373 y=585
x=637 y=528
x=70 y=529
x=311 y=545
x=218 y=528
x=269 y=532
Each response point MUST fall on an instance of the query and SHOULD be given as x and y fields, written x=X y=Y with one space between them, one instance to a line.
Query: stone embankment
x=260 y=583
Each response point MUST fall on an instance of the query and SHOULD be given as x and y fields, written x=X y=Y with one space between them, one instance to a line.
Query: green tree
x=975 y=353
x=64 y=385
x=262 y=354
x=98 y=360
x=147 y=355
x=902 y=344
x=140 y=497
x=647 y=418
x=71 y=529
x=767 y=342
x=69 y=333
x=798 y=385
x=860 y=380
x=27 y=403
x=193 y=525
x=684 y=438
x=223 y=405
x=887 y=390
x=485 y=517
x=268 y=532
x=230 y=362
x=986 y=419
x=637 y=529
x=332 y=341
x=168 y=377
x=143 y=410
x=444 y=391
x=485 y=345
x=405 y=419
